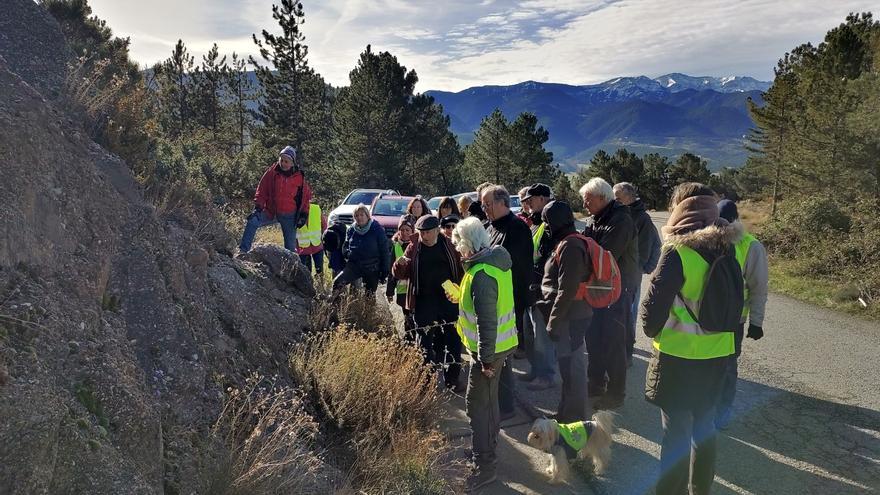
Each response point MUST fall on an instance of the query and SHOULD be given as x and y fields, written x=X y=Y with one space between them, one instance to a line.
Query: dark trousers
x=481 y=403
x=606 y=346
x=440 y=343
x=319 y=261
x=506 y=387
x=352 y=272
x=687 y=453
x=728 y=383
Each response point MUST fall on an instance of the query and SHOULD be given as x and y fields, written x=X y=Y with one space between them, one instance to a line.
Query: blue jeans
x=259 y=219
x=631 y=322
x=541 y=352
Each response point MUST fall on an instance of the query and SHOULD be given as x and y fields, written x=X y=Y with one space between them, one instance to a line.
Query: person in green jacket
x=487 y=328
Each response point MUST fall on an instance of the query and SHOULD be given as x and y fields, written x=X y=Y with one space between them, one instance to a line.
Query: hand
x=554 y=336
x=488 y=370
x=755 y=332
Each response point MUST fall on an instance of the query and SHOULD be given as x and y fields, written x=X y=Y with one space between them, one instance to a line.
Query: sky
x=456 y=44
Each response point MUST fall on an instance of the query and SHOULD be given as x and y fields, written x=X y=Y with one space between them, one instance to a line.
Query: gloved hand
x=754 y=332
x=554 y=336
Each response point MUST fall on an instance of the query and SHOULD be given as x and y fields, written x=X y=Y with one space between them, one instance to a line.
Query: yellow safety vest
x=742 y=252
x=682 y=336
x=574 y=434
x=310 y=234
x=536 y=242
x=401 y=284
x=505 y=337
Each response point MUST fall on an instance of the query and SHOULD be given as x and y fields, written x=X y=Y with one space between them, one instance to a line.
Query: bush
x=266 y=441
x=378 y=394
x=352 y=308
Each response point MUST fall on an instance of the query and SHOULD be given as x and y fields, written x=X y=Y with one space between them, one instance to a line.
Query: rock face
x=119 y=329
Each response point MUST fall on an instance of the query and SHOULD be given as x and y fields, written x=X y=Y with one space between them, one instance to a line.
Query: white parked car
x=345 y=212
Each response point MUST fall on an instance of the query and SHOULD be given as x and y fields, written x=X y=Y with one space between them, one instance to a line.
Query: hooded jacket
x=756 y=277
x=277 y=191
x=484 y=290
x=648 y=237
x=562 y=279
x=614 y=230
x=672 y=380
x=407 y=266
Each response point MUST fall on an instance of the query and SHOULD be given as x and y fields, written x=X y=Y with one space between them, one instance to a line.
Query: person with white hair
x=487 y=328
x=649 y=250
x=611 y=226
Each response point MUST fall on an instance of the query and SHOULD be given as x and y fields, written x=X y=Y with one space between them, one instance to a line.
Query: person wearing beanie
x=752 y=257
x=687 y=368
x=283 y=196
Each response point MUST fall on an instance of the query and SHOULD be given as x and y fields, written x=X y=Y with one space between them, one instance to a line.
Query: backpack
x=602 y=288
x=722 y=301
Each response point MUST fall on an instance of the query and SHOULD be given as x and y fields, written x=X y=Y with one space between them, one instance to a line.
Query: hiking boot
x=480 y=478
x=540 y=384
x=608 y=402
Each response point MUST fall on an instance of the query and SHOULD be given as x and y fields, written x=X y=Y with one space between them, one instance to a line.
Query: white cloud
x=461 y=43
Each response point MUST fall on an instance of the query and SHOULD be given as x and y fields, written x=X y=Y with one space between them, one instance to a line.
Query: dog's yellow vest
x=574 y=434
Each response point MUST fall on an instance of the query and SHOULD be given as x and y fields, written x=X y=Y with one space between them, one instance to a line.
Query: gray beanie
x=289 y=151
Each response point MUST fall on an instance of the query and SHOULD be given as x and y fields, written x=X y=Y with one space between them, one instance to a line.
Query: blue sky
x=456 y=44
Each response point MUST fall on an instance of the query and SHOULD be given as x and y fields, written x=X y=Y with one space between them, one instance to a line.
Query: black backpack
x=722 y=301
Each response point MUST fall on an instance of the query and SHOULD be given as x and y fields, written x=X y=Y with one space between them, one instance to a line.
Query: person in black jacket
x=612 y=227
x=508 y=231
x=649 y=250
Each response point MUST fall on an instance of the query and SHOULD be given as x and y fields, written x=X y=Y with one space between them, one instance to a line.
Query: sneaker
x=480 y=478
x=540 y=384
x=608 y=402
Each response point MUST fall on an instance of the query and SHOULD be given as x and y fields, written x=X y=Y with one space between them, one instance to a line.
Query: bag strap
x=730 y=252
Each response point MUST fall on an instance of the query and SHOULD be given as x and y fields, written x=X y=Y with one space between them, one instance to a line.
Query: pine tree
x=240 y=92
x=531 y=161
x=174 y=77
x=688 y=168
x=488 y=157
x=210 y=88
x=654 y=186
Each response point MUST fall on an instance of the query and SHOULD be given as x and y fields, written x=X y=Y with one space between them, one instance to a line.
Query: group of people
x=477 y=278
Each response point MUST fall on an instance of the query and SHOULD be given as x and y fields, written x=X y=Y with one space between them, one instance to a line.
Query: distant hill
x=669 y=114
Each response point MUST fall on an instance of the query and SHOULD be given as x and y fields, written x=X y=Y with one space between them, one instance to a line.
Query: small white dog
x=583 y=439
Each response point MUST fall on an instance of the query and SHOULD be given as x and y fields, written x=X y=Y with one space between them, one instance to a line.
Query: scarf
x=694 y=213
x=362 y=230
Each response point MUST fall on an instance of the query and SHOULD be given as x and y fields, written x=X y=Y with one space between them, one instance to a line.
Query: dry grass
x=267 y=442
x=352 y=308
x=377 y=392
x=753 y=214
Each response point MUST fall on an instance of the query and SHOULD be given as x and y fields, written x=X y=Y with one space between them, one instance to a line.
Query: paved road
x=807 y=416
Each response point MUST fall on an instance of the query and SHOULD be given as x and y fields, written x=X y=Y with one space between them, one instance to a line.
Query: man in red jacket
x=282 y=194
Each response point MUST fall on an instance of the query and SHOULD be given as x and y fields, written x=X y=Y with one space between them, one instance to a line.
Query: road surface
x=807 y=416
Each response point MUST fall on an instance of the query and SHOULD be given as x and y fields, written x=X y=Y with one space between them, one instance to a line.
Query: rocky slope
x=120 y=325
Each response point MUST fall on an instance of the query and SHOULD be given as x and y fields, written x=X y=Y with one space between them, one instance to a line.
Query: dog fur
x=545 y=433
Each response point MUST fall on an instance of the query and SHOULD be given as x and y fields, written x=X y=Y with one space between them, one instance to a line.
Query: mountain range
x=670 y=115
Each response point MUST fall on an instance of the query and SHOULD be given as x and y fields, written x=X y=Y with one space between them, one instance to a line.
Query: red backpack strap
x=582 y=237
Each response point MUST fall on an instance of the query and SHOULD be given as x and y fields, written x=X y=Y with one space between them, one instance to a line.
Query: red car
x=387 y=210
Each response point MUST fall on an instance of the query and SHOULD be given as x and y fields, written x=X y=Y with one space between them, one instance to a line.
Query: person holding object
x=611 y=226
x=648 y=249
x=395 y=290
x=428 y=262
x=567 y=316
x=691 y=311
x=752 y=257
x=487 y=328
x=366 y=253
x=282 y=195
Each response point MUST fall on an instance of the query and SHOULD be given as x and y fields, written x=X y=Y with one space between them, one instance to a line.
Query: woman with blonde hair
x=464 y=203
x=366 y=252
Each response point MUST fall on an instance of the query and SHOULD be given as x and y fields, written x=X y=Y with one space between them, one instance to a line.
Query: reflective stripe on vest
x=574 y=434
x=536 y=242
x=310 y=234
x=682 y=336
x=401 y=284
x=742 y=252
x=505 y=336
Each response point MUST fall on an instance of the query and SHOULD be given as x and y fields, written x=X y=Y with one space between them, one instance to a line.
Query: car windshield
x=514 y=202
x=434 y=202
x=360 y=197
x=390 y=207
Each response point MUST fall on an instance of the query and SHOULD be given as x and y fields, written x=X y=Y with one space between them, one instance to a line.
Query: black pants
x=440 y=342
x=352 y=272
x=687 y=453
x=606 y=347
x=506 y=385
x=306 y=260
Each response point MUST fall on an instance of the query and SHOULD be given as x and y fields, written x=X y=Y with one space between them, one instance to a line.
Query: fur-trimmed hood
x=712 y=238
